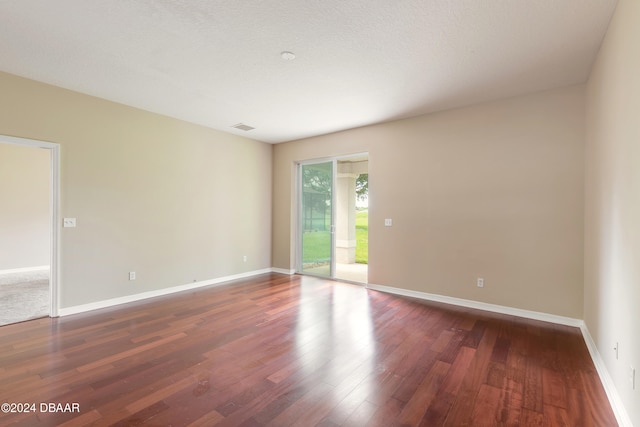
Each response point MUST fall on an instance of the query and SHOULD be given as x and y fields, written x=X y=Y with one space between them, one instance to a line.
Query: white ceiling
x=217 y=63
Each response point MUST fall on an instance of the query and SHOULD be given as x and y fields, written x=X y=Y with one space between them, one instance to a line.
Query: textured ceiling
x=218 y=63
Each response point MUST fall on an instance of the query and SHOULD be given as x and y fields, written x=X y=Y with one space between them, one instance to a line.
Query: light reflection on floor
x=336 y=328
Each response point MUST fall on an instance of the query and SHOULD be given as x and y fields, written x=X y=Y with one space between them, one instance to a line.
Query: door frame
x=54 y=214
x=298 y=207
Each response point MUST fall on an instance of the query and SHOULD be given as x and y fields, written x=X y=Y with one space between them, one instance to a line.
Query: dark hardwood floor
x=289 y=350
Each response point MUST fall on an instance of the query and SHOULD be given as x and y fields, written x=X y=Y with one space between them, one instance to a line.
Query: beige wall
x=612 y=208
x=173 y=201
x=24 y=207
x=492 y=190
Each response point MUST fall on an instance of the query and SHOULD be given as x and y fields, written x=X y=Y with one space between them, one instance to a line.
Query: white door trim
x=54 y=203
x=297 y=202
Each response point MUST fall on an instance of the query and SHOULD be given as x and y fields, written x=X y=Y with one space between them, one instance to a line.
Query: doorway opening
x=28 y=228
x=333 y=218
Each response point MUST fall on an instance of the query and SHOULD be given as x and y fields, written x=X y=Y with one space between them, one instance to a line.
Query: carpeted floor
x=24 y=296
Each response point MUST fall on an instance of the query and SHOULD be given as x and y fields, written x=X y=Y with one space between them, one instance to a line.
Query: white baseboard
x=155 y=293
x=282 y=271
x=607 y=382
x=528 y=314
x=24 y=269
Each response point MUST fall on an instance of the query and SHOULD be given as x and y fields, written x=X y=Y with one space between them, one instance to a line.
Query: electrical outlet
x=69 y=222
x=480 y=282
x=388 y=222
x=632 y=377
x=244 y=258
x=132 y=275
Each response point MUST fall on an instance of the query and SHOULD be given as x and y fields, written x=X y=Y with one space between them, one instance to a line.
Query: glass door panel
x=316 y=218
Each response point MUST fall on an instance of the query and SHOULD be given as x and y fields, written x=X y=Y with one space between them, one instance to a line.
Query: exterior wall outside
x=346 y=213
x=492 y=191
x=173 y=201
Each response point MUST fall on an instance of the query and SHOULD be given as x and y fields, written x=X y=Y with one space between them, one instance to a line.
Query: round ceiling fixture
x=288 y=56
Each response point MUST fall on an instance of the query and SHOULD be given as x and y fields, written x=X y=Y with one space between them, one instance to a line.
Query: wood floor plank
x=554 y=389
x=209 y=419
x=308 y=408
x=485 y=410
x=424 y=394
x=533 y=390
x=387 y=414
x=532 y=418
x=462 y=408
x=510 y=407
x=362 y=415
x=293 y=350
x=387 y=382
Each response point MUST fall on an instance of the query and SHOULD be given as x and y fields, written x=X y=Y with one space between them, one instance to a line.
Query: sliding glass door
x=316 y=212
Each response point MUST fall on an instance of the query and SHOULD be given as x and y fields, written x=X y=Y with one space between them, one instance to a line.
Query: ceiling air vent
x=242 y=126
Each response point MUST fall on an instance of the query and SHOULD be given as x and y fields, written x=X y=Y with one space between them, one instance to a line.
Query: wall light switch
x=388 y=222
x=69 y=222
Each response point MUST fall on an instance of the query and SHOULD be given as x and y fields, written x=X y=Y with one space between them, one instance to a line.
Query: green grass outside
x=362 y=237
x=316 y=245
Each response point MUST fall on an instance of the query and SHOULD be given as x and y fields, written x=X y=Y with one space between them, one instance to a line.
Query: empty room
x=337 y=213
